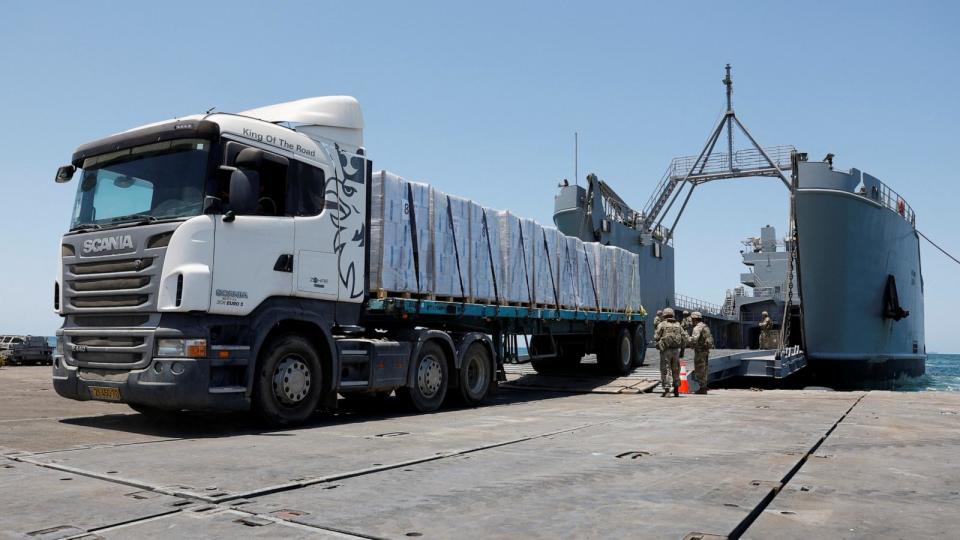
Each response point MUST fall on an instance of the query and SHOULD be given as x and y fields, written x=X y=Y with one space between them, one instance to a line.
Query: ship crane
x=691 y=171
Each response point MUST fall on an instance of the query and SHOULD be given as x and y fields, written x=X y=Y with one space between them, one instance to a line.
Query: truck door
x=315 y=262
x=252 y=252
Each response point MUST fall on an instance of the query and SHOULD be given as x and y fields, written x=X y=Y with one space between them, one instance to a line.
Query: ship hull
x=849 y=245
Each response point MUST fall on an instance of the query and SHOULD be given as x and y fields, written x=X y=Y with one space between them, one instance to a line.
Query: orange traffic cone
x=684 y=385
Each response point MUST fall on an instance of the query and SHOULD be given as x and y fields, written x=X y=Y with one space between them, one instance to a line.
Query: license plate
x=105 y=392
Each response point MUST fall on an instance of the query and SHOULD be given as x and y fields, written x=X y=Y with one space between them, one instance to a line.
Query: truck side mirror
x=244 y=189
x=65 y=174
x=249 y=158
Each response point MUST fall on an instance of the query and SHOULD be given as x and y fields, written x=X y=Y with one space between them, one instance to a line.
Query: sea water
x=943 y=373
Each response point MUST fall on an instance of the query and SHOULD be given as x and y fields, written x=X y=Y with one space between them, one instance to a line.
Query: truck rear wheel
x=617 y=358
x=430 y=379
x=289 y=382
x=476 y=373
x=640 y=345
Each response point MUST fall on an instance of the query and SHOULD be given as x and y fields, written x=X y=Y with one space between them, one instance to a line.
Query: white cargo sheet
x=451 y=245
x=485 y=267
x=466 y=250
x=588 y=276
x=543 y=268
x=516 y=258
x=608 y=294
x=569 y=263
x=392 y=265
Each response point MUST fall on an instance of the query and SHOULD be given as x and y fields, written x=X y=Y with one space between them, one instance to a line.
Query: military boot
x=676 y=392
x=664 y=393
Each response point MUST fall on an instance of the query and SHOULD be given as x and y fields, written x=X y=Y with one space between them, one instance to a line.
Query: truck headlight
x=183 y=348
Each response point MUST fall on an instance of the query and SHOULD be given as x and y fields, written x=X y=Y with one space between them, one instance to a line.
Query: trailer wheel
x=289 y=382
x=430 y=379
x=476 y=374
x=618 y=356
x=640 y=345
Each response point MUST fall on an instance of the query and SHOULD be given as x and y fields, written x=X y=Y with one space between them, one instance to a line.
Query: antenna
x=576 y=158
x=709 y=166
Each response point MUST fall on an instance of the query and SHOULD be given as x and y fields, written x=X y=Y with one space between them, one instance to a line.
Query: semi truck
x=224 y=262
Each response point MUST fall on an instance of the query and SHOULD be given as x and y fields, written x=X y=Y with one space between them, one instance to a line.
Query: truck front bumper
x=166 y=383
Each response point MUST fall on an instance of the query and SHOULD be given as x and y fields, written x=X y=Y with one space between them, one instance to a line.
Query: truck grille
x=125 y=283
x=112 y=348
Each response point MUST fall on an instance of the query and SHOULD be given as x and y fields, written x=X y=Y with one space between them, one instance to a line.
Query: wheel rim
x=625 y=351
x=429 y=376
x=291 y=380
x=476 y=374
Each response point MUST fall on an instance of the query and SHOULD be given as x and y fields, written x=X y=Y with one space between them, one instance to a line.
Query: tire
x=617 y=358
x=640 y=345
x=475 y=375
x=289 y=383
x=546 y=366
x=430 y=379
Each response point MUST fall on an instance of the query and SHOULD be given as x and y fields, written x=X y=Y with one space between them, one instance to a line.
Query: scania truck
x=221 y=262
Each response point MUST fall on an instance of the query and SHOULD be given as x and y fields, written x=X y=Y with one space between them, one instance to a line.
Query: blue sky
x=482 y=101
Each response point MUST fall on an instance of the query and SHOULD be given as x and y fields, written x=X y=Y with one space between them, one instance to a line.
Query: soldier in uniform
x=657 y=319
x=766 y=331
x=669 y=338
x=687 y=326
x=701 y=342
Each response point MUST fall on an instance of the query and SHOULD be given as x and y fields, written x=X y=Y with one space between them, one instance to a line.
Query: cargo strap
x=493 y=271
x=456 y=249
x=546 y=249
x=593 y=284
x=526 y=274
x=413 y=235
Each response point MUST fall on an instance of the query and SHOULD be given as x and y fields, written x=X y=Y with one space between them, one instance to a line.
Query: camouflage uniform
x=687 y=326
x=669 y=338
x=766 y=331
x=701 y=341
x=657 y=319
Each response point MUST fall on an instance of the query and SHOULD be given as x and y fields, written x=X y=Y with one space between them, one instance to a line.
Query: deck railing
x=892 y=200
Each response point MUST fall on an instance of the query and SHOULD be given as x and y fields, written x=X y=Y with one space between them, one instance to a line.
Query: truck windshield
x=145 y=183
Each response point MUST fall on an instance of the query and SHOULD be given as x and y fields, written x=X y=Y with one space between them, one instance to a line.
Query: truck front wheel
x=289 y=382
x=429 y=379
x=476 y=373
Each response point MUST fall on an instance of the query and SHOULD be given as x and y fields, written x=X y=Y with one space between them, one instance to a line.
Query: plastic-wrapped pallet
x=608 y=293
x=516 y=258
x=555 y=247
x=633 y=287
x=485 y=267
x=589 y=278
x=451 y=245
x=624 y=281
x=544 y=267
x=569 y=266
x=392 y=265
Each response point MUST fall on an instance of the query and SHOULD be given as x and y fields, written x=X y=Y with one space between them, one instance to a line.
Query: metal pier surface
x=529 y=463
x=724 y=364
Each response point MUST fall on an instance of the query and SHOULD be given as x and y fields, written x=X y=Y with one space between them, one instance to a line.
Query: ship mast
x=690 y=172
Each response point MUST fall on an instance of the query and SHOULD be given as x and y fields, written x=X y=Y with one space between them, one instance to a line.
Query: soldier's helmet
x=668 y=313
x=685 y=313
x=696 y=315
x=659 y=312
x=765 y=314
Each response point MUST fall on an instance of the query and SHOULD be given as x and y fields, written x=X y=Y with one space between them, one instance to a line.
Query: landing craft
x=848 y=288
